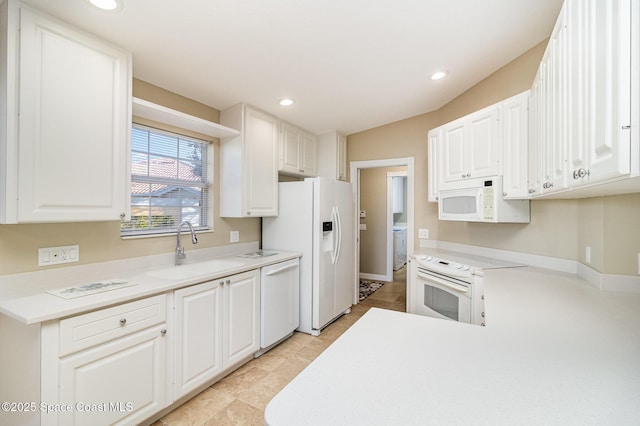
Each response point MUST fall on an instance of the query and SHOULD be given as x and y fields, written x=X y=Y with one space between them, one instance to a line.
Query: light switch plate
x=57 y=255
x=234 y=236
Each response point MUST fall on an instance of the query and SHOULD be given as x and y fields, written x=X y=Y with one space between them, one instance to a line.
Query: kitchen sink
x=194 y=269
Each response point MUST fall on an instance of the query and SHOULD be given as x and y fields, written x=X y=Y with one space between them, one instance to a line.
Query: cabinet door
x=482 y=143
x=198 y=341
x=124 y=379
x=434 y=168
x=599 y=36
x=74 y=124
x=241 y=317
x=534 y=145
x=260 y=165
x=289 y=149
x=308 y=146
x=453 y=146
x=514 y=146
x=555 y=108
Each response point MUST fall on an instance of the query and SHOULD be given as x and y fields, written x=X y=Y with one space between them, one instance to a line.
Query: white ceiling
x=350 y=64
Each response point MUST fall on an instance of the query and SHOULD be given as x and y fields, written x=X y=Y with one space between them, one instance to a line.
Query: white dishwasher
x=279 y=302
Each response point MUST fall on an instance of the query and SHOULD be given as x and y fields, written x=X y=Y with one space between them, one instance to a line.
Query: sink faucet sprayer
x=179 y=249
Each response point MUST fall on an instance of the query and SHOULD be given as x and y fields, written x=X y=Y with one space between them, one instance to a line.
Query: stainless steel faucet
x=179 y=249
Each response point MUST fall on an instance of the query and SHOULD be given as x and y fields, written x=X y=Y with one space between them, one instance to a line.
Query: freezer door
x=344 y=267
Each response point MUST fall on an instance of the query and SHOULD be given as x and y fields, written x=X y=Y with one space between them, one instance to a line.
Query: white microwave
x=480 y=200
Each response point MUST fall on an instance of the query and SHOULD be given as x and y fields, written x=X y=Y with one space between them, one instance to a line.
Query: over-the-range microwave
x=480 y=200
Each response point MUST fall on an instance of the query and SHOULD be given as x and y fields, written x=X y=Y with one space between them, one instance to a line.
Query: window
x=169 y=182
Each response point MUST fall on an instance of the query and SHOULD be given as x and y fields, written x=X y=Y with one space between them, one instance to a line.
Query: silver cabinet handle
x=227 y=281
x=221 y=282
x=163 y=331
x=123 y=321
x=531 y=191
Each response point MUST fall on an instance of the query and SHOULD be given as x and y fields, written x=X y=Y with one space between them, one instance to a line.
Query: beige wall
x=373 y=199
x=558 y=228
x=100 y=241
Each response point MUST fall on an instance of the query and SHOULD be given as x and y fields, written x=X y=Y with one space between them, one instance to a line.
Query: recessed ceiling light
x=438 y=75
x=285 y=102
x=108 y=5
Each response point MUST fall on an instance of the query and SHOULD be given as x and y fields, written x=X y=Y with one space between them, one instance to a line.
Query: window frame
x=209 y=181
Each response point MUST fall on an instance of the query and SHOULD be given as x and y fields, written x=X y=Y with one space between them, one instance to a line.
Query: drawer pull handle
x=163 y=331
x=123 y=321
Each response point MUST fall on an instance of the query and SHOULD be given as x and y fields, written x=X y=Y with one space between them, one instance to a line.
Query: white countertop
x=555 y=352
x=24 y=296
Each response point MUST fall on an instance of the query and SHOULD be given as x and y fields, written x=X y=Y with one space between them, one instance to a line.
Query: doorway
x=357 y=167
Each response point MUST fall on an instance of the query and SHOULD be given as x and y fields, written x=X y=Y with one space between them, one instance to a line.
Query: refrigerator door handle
x=339 y=233
x=334 y=248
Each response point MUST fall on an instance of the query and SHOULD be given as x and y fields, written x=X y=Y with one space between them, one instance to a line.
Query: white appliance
x=399 y=247
x=279 y=302
x=480 y=200
x=450 y=286
x=315 y=218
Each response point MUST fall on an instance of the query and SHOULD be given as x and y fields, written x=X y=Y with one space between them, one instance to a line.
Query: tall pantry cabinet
x=65 y=117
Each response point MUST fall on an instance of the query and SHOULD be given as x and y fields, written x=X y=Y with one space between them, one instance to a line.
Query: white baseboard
x=609 y=282
x=375 y=277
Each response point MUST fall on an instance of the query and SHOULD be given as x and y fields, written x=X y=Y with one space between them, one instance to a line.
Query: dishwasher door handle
x=284 y=268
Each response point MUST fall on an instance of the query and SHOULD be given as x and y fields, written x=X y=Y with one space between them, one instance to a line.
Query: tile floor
x=241 y=397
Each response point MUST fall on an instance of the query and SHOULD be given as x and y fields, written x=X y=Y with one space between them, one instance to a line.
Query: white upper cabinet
x=332 y=156
x=249 y=164
x=68 y=118
x=297 y=151
x=514 y=146
x=599 y=35
x=582 y=124
x=471 y=146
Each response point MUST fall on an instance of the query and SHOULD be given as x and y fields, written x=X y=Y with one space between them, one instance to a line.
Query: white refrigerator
x=315 y=218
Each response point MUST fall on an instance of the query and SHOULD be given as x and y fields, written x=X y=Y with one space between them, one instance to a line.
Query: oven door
x=440 y=296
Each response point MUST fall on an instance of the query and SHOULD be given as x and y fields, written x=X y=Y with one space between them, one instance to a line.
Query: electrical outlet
x=56 y=255
x=587 y=254
x=363 y=226
x=234 y=236
x=423 y=233
x=638 y=263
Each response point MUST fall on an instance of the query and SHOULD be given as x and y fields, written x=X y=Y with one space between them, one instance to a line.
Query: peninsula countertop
x=555 y=351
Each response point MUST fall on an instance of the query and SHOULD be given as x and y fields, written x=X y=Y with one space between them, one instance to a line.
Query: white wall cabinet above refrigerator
x=249 y=163
x=297 y=151
x=332 y=156
x=66 y=121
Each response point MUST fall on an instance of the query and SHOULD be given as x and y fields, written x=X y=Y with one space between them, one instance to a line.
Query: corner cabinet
x=332 y=156
x=249 y=164
x=297 y=151
x=69 y=119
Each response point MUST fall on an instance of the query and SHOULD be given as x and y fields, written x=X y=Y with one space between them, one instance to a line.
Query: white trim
x=554 y=263
x=373 y=277
x=607 y=282
x=355 y=167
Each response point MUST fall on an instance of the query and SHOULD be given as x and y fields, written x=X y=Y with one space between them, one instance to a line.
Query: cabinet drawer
x=84 y=331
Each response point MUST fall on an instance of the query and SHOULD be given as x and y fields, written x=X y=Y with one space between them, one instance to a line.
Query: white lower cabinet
x=127 y=363
x=109 y=366
x=217 y=327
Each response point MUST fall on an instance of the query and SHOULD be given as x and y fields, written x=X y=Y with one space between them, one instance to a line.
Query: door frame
x=355 y=167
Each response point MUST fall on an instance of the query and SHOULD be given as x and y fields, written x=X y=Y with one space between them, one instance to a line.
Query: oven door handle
x=445 y=283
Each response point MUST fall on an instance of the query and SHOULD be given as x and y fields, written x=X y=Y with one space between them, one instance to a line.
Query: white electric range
x=450 y=285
